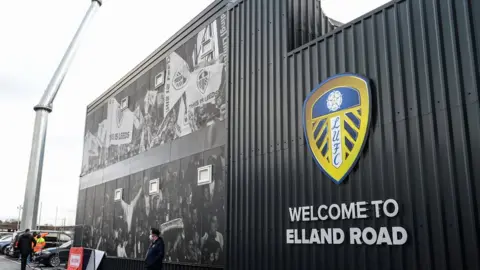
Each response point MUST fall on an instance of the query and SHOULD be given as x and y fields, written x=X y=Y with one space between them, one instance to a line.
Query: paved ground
x=8 y=264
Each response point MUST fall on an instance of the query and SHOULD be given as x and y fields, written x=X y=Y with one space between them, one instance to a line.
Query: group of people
x=156 y=129
x=27 y=244
x=191 y=218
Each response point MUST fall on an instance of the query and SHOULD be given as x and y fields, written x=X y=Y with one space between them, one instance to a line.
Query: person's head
x=195 y=215
x=219 y=99
x=27 y=230
x=196 y=162
x=206 y=193
x=34 y=234
x=214 y=224
x=154 y=234
x=190 y=244
x=196 y=238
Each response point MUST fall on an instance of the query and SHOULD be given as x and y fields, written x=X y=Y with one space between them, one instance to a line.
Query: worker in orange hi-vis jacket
x=40 y=242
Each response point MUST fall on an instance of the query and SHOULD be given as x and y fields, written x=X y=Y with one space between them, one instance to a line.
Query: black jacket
x=155 y=254
x=26 y=242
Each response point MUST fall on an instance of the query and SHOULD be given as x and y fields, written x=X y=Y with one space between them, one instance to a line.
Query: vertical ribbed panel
x=423 y=148
x=306 y=22
x=111 y=263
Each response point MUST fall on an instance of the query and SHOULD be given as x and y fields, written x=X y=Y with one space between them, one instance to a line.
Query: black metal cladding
x=424 y=142
x=421 y=57
x=118 y=263
x=306 y=22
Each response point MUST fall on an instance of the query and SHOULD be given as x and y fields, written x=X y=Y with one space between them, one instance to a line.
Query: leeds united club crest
x=202 y=80
x=336 y=120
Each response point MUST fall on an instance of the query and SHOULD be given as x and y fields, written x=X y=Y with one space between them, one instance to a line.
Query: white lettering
x=384 y=237
x=395 y=208
x=336 y=145
x=223 y=24
x=338 y=236
x=295 y=213
x=361 y=209
x=368 y=236
x=314 y=237
x=377 y=207
x=306 y=213
x=355 y=234
x=297 y=241
x=353 y=210
x=322 y=217
x=326 y=236
x=312 y=215
x=334 y=206
x=369 y=241
x=290 y=236
x=348 y=211
x=304 y=237
x=399 y=241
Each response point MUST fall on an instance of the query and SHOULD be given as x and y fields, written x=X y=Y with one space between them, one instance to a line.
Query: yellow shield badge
x=336 y=120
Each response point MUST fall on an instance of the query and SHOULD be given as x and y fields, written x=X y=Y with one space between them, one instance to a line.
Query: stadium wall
x=417 y=167
x=421 y=58
x=159 y=124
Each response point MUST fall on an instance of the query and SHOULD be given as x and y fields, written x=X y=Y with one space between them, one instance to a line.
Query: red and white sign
x=75 y=260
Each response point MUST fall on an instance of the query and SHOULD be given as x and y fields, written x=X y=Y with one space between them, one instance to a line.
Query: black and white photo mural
x=191 y=217
x=181 y=94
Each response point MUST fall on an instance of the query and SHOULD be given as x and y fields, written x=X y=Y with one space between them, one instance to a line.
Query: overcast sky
x=34 y=36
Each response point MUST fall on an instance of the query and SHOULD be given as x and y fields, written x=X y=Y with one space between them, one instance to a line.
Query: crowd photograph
x=182 y=94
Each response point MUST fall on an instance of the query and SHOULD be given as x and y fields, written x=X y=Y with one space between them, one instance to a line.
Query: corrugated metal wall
x=110 y=263
x=306 y=22
x=423 y=149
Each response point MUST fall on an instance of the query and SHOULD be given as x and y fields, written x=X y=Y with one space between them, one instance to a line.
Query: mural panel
x=181 y=94
x=213 y=210
x=108 y=220
x=79 y=218
x=88 y=218
x=99 y=206
x=122 y=218
x=190 y=217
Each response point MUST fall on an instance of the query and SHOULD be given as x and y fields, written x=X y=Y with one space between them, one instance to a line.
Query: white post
x=56 y=214
x=19 y=208
x=34 y=178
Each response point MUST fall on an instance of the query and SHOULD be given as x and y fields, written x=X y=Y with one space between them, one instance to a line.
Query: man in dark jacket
x=156 y=251
x=26 y=242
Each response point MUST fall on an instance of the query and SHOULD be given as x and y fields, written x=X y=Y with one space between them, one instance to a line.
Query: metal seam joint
x=43 y=107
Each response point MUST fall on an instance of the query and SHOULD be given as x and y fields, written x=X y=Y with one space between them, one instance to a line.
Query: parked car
x=4 y=234
x=4 y=243
x=53 y=256
x=52 y=239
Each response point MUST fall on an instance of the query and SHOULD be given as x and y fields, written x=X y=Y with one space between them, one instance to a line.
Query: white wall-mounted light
x=124 y=103
x=204 y=175
x=160 y=79
x=118 y=194
x=154 y=186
